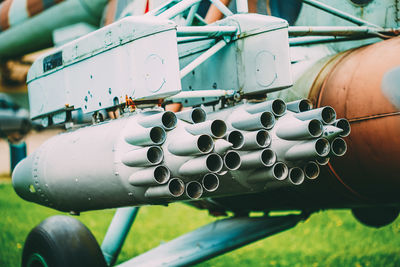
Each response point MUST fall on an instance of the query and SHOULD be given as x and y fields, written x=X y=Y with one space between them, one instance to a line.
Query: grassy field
x=331 y=238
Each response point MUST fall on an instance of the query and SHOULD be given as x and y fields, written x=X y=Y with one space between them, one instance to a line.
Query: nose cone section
x=23 y=183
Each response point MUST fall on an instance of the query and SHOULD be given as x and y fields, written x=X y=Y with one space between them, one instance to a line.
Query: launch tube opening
x=198 y=115
x=157 y=135
x=339 y=147
x=214 y=163
x=176 y=187
x=322 y=161
x=232 y=160
x=210 y=182
x=154 y=155
x=236 y=139
x=305 y=105
x=161 y=174
x=267 y=120
x=218 y=128
x=311 y=170
x=328 y=115
x=280 y=171
x=344 y=125
x=278 y=107
x=322 y=147
x=296 y=176
x=194 y=190
x=169 y=120
x=315 y=128
x=268 y=157
x=205 y=143
x=263 y=139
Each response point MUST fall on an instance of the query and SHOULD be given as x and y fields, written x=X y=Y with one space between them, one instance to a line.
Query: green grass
x=331 y=238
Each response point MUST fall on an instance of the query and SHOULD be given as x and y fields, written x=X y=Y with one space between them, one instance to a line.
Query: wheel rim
x=36 y=260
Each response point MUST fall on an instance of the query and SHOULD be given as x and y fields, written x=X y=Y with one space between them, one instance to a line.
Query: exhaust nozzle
x=232 y=160
x=143 y=157
x=308 y=150
x=201 y=165
x=311 y=170
x=210 y=182
x=325 y=114
x=215 y=128
x=146 y=136
x=174 y=188
x=338 y=147
x=257 y=159
x=249 y=122
x=276 y=106
x=299 y=105
x=344 y=125
x=295 y=129
x=191 y=145
x=194 y=190
x=150 y=176
x=166 y=119
x=195 y=115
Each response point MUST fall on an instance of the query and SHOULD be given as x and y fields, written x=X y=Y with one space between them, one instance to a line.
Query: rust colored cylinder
x=371 y=168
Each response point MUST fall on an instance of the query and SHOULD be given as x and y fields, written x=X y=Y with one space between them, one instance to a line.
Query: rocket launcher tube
x=141 y=136
x=308 y=150
x=201 y=165
x=166 y=119
x=174 y=188
x=245 y=121
x=191 y=145
x=143 y=157
x=236 y=138
x=210 y=182
x=299 y=105
x=278 y=172
x=296 y=176
x=338 y=147
x=150 y=176
x=194 y=190
x=276 y=106
x=256 y=140
x=232 y=160
x=325 y=114
x=344 y=125
x=195 y=115
x=214 y=128
x=257 y=159
x=295 y=129
x=311 y=170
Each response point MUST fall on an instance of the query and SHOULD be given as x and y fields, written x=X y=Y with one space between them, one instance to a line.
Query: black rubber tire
x=61 y=241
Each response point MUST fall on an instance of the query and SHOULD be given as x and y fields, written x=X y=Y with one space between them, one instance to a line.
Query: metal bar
x=202 y=93
x=224 y=10
x=201 y=19
x=117 y=233
x=242 y=6
x=17 y=153
x=210 y=31
x=192 y=13
x=203 y=57
x=299 y=41
x=338 y=13
x=295 y=31
x=212 y=240
x=184 y=40
x=177 y=9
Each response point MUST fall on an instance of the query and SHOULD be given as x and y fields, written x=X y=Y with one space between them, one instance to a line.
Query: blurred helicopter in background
x=281 y=116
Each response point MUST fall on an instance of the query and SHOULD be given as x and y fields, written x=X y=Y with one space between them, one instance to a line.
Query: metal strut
x=213 y=239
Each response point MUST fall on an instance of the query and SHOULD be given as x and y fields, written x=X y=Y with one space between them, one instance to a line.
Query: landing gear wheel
x=61 y=241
